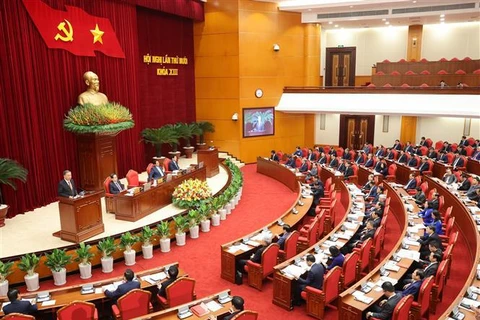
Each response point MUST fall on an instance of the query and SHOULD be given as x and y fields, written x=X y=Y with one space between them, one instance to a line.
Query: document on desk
x=469 y=302
x=293 y=271
x=213 y=306
x=360 y=296
x=238 y=247
x=359 y=204
x=48 y=303
x=154 y=278
x=409 y=254
x=350 y=225
x=382 y=280
x=112 y=286
x=420 y=226
x=392 y=266
x=253 y=243
x=412 y=242
x=473 y=209
x=412 y=230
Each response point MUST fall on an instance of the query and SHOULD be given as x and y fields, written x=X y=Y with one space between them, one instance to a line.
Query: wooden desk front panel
x=326 y=173
x=473 y=166
x=278 y=172
x=439 y=169
x=403 y=172
x=282 y=291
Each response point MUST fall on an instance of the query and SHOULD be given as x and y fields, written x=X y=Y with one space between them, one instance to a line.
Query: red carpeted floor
x=263 y=201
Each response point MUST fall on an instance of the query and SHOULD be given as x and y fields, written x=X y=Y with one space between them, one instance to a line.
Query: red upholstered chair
x=447 y=215
x=379 y=73
x=465 y=160
x=441 y=202
x=428 y=172
x=326 y=149
x=454 y=147
x=290 y=247
x=420 y=308
x=424 y=187
x=18 y=316
x=467 y=59
x=439 y=284
x=469 y=150
x=386 y=61
x=402 y=309
x=365 y=255
x=424 y=85
x=132 y=179
x=309 y=238
x=246 y=315
x=109 y=203
x=460 y=71
x=429 y=142
x=443 y=59
x=330 y=210
x=425 y=72
x=317 y=299
x=316 y=154
x=354 y=178
x=476 y=71
x=409 y=73
x=448 y=229
x=340 y=152
x=350 y=269
x=392 y=171
x=378 y=239
x=298 y=162
x=259 y=271
x=179 y=292
x=454 y=59
x=395 y=73
x=326 y=186
x=387 y=85
x=133 y=304
x=423 y=150
x=402 y=60
x=438 y=145
x=450 y=157
x=395 y=154
x=166 y=163
x=405 y=85
x=442 y=72
x=430 y=193
x=78 y=310
x=281 y=157
x=304 y=152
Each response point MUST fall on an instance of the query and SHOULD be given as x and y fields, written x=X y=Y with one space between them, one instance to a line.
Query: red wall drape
x=39 y=85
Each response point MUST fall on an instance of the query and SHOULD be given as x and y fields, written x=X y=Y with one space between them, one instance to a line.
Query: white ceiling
x=310 y=9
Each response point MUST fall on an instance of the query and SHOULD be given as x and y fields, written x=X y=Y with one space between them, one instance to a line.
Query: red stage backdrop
x=39 y=85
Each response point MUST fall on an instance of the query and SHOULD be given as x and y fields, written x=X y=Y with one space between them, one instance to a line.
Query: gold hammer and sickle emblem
x=68 y=33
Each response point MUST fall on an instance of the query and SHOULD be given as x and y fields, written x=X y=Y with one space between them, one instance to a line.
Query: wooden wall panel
x=414 y=45
x=408 y=129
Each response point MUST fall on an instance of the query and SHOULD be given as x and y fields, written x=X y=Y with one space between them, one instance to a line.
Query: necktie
x=70 y=185
x=118 y=186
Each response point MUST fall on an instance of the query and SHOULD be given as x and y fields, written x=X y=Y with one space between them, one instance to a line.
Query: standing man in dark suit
x=18 y=306
x=172 y=276
x=384 y=309
x=66 y=187
x=314 y=278
x=115 y=185
x=273 y=156
x=125 y=287
x=173 y=165
x=237 y=307
x=156 y=172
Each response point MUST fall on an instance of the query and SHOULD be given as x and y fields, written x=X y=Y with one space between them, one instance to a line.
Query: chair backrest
x=395 y=154
x=402 y=309
x=452 y=239
x=180 y=291
x=418 y=180
x=469 y=150
x=134 y=303
x=328 y=182
x=304 y=152
x=166 y=163
x=387 y=203
x=447 y=215
x=441 y=202
x=18 y=316
x=149 y=168
x=450 y=157
x=424 y=150
x=316 y=154
x=246 y=315
x=449 y=226
x=424 y=187
x=132 y=178
x=269 y=258
x=350 y=265
x=392 y=169
x=441 y=276
x=471 y=141
x=331 y=284
x=430 y=193
x=378 y=239
x=352 y=155
x=430 y=165
x=447 y=254
x=291 y=244
x=106 y=185
x=424 y=295
x=365 y=253
x=439 y=145
x=321 y=223
x=340 y=152
x=298 y=162
x=454 y=147
x=429 y=142
x=326 y=149
x=355 y=170
x=312 y=232
x=78 y=310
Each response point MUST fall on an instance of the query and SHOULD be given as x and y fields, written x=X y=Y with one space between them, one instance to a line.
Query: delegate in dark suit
x=116 y=187
x=173 y=166
x=413 y=162
x=402 y=158
x=369 y=163
x=122 y=289
x=162 y=291
x=333 y=163
x=419 y=197
x=385 y=311
x=314 y=277
x=20 y=306
x=348 y=172
x=431 y=269
x=411 y=184
x=458 y=162
x=64 y=189
x=155 y=173
x=413 y=289
x=230 y=316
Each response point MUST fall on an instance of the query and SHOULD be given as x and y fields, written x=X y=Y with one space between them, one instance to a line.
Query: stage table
x=133 y=208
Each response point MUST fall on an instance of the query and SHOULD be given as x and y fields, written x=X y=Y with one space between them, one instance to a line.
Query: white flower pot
x=4 y=288
x=85 y=270
x=215 y=220
x=181 y=238
x=129 y=257
x=59 y=277
x=232 y=203
x=194 y=232
x=32 y=282
x=223 y=214
x=165 y=245
x=205 y=225
x=228 y=207
x=237 y=199
x=107 y=264
x=147 y=251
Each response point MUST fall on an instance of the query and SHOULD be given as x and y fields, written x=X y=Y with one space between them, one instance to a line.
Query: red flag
x=74 y=30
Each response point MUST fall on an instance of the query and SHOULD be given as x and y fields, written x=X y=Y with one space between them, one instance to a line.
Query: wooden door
x=340 y=67
x=356 y=130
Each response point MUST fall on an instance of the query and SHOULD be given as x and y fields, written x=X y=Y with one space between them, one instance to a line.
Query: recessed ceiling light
x=414 y=1
x=387 y=22
x=330 y=22
x=442 y=15
x=384 y=19
x=336 y=26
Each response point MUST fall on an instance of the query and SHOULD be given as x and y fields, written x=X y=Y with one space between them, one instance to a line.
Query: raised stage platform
x=32 y=231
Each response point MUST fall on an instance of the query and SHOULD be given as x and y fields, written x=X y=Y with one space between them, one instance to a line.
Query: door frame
x=342 y=137
x=329 y=68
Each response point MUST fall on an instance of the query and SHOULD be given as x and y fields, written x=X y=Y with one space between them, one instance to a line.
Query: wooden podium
x=80 y=218
x=209 y=157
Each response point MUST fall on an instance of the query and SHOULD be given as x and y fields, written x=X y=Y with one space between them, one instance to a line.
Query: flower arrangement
x=190 y=193
x=108 y=117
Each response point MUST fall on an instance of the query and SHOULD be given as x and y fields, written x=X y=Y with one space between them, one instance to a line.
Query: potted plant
x=193 y=223
x=84 y=256
x=107 y=247
x=28 y=263
x=9 y=170
x=177 y=133
x=127 y=240
x=205 y=210
x=5 y=271
x=228 y=196
x=205 y=127
x=56 y=262
x=159 y=136
x=218 y=212
x=146 y=239
x=163 y=230
x=181 y=224
x=187 y=131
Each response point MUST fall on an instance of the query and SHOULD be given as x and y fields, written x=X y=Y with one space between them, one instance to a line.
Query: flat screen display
x=258 y=122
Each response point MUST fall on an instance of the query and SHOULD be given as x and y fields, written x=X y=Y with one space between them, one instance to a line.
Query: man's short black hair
x=287 y=228
x=173 y=272
x=434 y=244
x=334 y=251
x=311 y=258
x=12 y=294
x=238 y=302
x=437 y=256
x=388 y=286
x=129 y=275
x=420 y=273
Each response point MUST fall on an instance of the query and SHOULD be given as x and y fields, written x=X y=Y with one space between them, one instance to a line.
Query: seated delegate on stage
x=173 y=165
x=384 y=309
x=237 y=307
x=115 y=185
x=402 y=158
x=348 y=170
x=125 y=287
x=298 y=152
x=66 y=187
x=472 y=191
x=314 y=278
x=437 y=222
x=369 y=162
x=172 y=276
x=273 y=156
x=18 y=306
x=156 y=172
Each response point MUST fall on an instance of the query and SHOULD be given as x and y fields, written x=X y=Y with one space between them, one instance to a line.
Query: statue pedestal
x=97 y=155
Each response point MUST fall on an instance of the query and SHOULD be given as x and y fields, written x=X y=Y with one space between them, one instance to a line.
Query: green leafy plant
x=106 y=247
x=159 y=136
x=205 y=209
x=28 y=263
x=163 y=229
x=218 y=202
x=187 y=131
x=84 y=254
x=194 y=218
x=205 y=127
x=146 y=235
x=181 y=223
x=5 y=270
x=127 y=240
x=57 y=260
x=9 y=171
x=88 y=118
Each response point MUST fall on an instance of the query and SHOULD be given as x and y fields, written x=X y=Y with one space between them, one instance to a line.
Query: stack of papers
x=112 y=286
x=238 y=247
x=350 y=225
x=154 y=278
x=253 y=243
x=48 y=303
x=382 y=280
x=409 y=254
x=473 y=209
x=392 y=266
x=411 y=242
x=469 y=302
x=293 y=271
x=213 y=306
x=360 y=296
